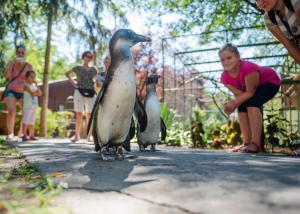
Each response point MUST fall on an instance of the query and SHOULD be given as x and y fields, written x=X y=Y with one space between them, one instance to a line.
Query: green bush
x=56 y=122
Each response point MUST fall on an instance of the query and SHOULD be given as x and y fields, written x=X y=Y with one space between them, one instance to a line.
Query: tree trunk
x=43 y=124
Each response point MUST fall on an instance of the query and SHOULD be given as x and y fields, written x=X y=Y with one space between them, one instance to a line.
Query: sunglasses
x=90 y=57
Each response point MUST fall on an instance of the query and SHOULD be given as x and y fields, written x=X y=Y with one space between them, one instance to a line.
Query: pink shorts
x=29 y=115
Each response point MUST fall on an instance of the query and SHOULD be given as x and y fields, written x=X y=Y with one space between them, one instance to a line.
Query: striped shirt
x=290 y=18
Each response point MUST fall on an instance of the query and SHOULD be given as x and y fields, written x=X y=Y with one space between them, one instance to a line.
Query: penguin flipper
x=163 y=129
x=94 y=131
x=140 y=114
x=132 y=129
x=98 y=99
x=126 y=143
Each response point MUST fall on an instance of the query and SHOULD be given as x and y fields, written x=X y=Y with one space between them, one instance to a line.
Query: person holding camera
x=102 y=75
x=84 y=94
x=16 y=72
x=282 y=18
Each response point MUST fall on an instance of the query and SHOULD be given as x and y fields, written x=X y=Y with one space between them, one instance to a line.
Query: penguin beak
x=140 y=38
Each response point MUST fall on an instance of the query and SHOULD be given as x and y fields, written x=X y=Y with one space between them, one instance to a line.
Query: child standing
x=31 y=93
x=252 y=86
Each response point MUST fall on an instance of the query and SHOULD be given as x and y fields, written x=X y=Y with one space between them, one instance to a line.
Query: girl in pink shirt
x=252 y=86
x=15 y=89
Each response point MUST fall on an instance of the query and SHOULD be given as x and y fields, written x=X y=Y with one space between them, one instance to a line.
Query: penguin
x=111 y=117
x=155 y=121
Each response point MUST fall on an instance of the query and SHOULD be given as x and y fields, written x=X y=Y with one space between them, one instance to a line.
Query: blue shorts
x=11 y=93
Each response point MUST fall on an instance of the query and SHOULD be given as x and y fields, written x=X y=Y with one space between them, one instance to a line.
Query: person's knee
x=79 y=114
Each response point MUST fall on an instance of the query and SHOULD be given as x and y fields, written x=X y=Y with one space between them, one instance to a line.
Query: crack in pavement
x=133 y=196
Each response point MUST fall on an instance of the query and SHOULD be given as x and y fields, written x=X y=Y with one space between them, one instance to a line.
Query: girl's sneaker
x=32 y=137
x=25 y=138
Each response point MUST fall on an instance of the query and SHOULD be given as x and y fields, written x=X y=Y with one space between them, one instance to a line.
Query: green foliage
x=26 y=169
x=228 y=133
x=7 y=151
x=273 y=132
x=204 y=15
x=197 y=134
x=56 y=121
x=168 y=115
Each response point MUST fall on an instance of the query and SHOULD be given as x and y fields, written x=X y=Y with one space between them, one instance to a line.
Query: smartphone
x=20 y=59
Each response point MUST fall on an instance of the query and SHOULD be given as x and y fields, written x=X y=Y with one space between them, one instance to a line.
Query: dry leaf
x=57 y=175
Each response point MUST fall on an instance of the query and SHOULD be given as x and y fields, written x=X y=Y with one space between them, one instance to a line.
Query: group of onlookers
x=23 y=89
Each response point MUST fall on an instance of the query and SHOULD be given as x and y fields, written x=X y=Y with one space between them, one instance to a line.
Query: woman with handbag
x=15 y=71
x=84 y=94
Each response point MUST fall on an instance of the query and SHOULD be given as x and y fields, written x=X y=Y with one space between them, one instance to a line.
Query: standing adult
x=16 y=72
x=84 y=94
x=102 y=75
x=282 y=18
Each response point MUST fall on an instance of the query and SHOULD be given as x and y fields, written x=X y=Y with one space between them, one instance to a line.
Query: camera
x=20 y=59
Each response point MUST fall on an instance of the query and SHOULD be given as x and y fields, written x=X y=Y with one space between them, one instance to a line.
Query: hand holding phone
x=19 y=59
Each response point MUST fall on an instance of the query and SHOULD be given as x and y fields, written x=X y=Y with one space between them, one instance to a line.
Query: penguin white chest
x=151 y=134
x=115 y=112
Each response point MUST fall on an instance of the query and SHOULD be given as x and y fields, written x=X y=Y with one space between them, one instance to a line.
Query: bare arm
x=38 y=91
x=252 y=81
x=74 y=83
x=27 y=88
x=291 y=46
x=234 y=90
x=8 y=69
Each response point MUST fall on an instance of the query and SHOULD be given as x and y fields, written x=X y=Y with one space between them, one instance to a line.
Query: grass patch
x=23 y=189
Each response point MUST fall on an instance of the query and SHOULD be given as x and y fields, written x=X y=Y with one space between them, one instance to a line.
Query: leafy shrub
x=56 y=122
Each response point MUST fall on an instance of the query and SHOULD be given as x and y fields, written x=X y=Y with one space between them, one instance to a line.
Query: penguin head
x=127 y=37
x=152 y=79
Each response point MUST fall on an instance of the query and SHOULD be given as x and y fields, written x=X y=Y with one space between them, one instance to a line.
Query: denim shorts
x=11 y=93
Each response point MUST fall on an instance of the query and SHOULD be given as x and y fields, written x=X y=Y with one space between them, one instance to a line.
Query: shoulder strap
x=289 y=5
x=272 y=17
x=18 y=73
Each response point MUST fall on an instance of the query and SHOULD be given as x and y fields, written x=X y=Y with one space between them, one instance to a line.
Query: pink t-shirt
x=266 y=74
x=17 y=85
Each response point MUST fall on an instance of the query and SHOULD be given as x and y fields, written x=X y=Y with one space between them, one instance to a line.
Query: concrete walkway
x=170 y=181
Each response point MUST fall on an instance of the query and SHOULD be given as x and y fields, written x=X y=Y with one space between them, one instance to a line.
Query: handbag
x=87 y=92
x=3 y=94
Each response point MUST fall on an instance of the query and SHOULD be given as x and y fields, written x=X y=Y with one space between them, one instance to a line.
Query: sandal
x=294 y=153
x=238 y=148
x=10 y=137
x=75 y=138
x=250 y=150
x=90 y=139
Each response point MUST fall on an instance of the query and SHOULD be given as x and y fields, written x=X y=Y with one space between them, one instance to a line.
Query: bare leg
x=78 y=124
x=255 y=119
x=245 y=126
x=21 y=102
x=11 y=105
x=24 y=129
x=31 y=130
x=87 y=117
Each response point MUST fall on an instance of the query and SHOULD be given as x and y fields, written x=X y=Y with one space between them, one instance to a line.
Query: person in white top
x=31 y=94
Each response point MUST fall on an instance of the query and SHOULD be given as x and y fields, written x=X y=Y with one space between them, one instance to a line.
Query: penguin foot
x=119 y=154
x=153 y=148
x=104 y=154
x=142 y=148
x=129 y=155
x=107 y=151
